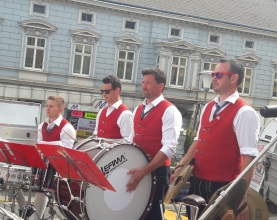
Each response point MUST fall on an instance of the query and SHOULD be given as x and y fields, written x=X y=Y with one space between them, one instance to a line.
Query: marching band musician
x=114 y=120
x=54 y=128
x=226 y=142
x=157 y=125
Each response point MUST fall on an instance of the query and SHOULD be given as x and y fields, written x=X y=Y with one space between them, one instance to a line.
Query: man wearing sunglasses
x=226 y=142
x=157 y=125
x=114 y=120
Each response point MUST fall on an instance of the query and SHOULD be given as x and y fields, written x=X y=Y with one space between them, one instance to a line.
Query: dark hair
x=235 y=67
x=159 y=75
x=115 y=81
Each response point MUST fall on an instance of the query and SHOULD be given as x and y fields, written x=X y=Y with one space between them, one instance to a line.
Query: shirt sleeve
x=247 y=126
x=65 y=138
x=131 y=136
x=97 y=121
x=125 y=123
x=172 y=124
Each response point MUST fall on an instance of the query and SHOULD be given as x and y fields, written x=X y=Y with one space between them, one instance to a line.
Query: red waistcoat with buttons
x=107 y=126
x=54 y=133
x=218 y=157
x=148 y=132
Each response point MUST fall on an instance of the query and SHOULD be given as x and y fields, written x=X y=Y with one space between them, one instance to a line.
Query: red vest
x=218 y=157
x=54 y=133
x=148 y=132
x=107 y=126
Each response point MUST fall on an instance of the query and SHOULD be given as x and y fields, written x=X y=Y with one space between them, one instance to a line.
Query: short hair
x=235 y=67
x=58 y=99
x=159 y=75
x=115 y=81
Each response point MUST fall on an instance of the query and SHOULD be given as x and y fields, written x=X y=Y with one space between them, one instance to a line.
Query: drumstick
x=70 y=136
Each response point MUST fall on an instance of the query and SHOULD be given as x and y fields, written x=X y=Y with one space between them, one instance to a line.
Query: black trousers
x=162 y=185
x=205 y=189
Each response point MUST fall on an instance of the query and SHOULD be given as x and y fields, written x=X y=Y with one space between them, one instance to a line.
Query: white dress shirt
x=66 y=140
x=172 y=123
x=246 y=125
x=124 y=121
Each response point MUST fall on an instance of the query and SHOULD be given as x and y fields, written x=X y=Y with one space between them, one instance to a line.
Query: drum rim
x=96 y=158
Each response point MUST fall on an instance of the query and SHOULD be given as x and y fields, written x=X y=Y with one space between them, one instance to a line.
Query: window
x=88 y=18
x=245 y=85
x=157 y=61
x=249 y=45
x=175 y=32
x=178 y=71
x=214 y=39
x=34 y=53
x=39 y=9
x=211 y=67
x=130 y=25
x=125 y=65
x=82 y=59
x=274 y=93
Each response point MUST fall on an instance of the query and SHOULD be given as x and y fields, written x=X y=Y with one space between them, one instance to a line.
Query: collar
x=56 y=122
x=154 y=102
x=115 y=105
x=232 y=99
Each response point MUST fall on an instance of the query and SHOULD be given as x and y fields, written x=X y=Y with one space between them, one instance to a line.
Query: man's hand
x=137 y=176
x=176 y=172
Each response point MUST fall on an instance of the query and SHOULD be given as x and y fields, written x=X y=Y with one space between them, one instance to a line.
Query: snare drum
x=15 y=173
x=114 y=159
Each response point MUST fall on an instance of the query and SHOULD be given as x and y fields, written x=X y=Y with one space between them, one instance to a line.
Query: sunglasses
x=220 y=74
x=107 y=91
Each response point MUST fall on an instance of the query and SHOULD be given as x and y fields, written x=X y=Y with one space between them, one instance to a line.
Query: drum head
x=122 y=205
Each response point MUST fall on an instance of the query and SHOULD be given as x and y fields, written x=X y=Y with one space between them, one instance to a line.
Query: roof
x=253 y=13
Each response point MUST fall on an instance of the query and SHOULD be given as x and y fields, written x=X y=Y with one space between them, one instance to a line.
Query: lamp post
x=207 y=80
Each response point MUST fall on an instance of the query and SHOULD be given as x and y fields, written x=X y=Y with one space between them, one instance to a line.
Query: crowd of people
x=225 y=144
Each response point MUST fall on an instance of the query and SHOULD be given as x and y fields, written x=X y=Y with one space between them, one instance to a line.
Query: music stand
x=74 y=164
x=24 y=155
x=20 y=154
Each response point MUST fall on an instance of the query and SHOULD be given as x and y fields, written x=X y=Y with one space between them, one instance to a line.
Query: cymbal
x=230 y=202
x=179 y=182
x=256 y=205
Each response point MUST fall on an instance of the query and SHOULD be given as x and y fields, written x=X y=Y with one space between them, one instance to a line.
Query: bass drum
x=114 y=158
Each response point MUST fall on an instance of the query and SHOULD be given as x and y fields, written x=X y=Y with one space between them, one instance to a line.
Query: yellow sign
x=90 y=115
x=83 y=134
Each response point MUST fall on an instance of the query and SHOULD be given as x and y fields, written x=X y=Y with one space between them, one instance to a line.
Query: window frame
x=178 y=69
x=210 y=69
x=82 y=60
x=130 y=30
x=173 y=36
x=26 y=46
x=32 y=13
x=274 y=81
x=125 y=63
x=242 y=85
x=213 y=43
x=247 y=48
x=92 y=23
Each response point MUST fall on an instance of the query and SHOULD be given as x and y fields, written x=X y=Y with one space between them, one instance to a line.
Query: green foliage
x=190 y=135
